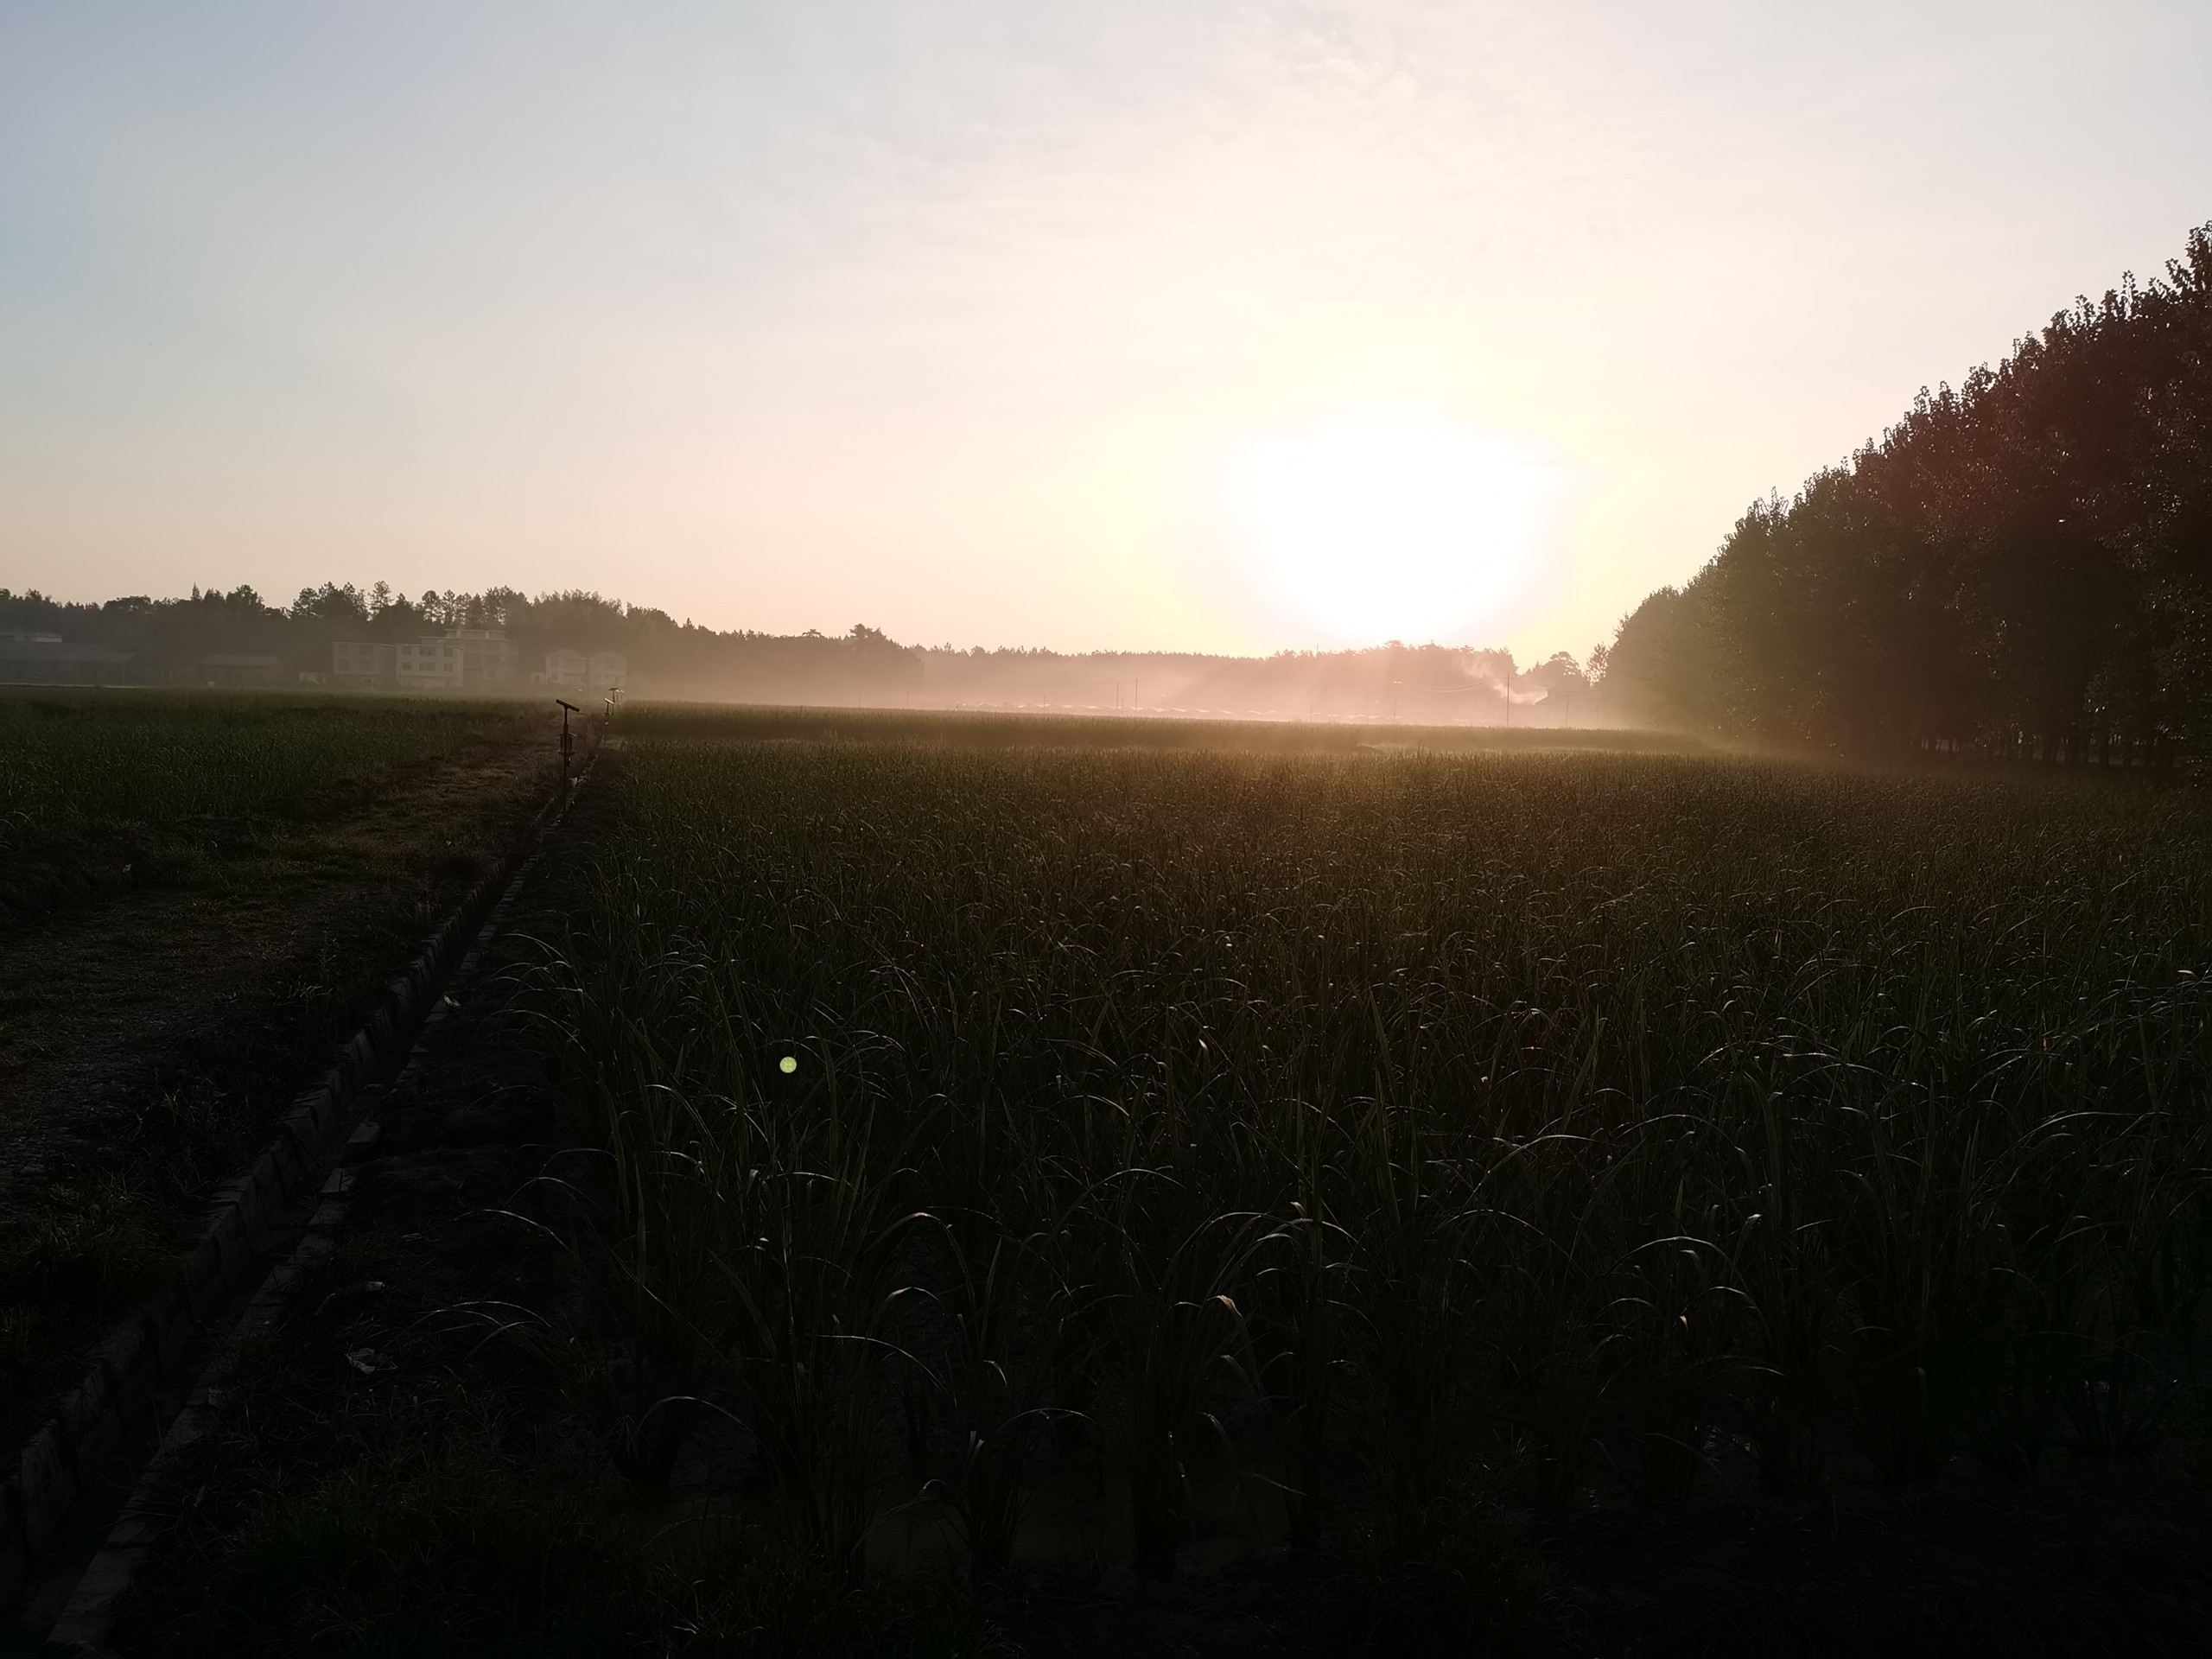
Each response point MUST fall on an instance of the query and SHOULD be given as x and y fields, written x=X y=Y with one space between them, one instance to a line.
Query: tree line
x=2021 y=566
x=171 y=640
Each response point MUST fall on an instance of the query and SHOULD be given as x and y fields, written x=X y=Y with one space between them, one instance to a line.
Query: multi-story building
x=427 y=665
x=602 y=670
x=458 y=659
x=362 y=665
x=487 y=656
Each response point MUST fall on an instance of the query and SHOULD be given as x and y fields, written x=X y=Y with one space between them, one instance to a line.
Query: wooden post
x=567 y=741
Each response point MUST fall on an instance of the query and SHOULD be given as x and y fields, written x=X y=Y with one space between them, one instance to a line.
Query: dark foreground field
x=199 y=892
x=911 y=1197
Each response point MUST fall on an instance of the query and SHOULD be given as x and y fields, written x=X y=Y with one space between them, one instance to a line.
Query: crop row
x=1402 y=1131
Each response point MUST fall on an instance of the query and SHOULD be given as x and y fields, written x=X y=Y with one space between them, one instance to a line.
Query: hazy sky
x=971 y=320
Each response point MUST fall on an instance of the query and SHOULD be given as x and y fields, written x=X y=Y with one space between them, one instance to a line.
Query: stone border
x=147 y=1351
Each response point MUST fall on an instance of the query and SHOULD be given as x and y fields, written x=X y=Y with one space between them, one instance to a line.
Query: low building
x=566 y=667
x=363 y=665
x=239 y=668
x=609 y=671
x=48 y=659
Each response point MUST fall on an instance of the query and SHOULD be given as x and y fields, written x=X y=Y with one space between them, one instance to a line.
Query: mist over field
x=1307 y=828
x=228 y=638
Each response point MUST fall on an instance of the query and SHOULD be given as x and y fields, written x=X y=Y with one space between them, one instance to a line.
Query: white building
x=603 y=670
x=487 y=656
x=429 y=665
x=458 y=659
x=365 y=666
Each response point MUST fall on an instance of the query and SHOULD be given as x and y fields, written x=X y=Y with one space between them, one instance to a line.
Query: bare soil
x=160 y=1010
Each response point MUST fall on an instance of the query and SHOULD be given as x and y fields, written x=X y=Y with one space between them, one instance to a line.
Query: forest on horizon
x=2021 y=566
x=684 y=661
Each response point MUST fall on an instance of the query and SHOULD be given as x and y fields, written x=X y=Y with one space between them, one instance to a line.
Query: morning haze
x=1282 y=829
x=965 y=321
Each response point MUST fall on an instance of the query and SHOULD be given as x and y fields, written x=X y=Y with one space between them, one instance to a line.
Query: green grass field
x=72 y=761
x=1342 y=1146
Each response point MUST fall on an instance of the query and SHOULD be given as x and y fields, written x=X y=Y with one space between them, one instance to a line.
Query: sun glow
x=1380 y=529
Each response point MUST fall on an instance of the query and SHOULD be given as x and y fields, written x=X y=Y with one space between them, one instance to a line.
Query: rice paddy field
x=1159 y=1158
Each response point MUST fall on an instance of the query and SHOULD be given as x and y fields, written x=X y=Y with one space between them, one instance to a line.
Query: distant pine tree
x=2022 y=564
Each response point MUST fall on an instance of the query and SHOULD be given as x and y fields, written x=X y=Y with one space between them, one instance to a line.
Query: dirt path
x=151 y=1037
x=390 y=1420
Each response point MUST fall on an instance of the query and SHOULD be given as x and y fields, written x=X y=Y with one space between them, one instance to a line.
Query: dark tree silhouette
x=2021 y=566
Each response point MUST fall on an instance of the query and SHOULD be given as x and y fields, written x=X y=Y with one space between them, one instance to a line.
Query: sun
x=1375 y=530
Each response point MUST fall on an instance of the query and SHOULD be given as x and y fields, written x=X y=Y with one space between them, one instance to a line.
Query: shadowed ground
x=175 y=985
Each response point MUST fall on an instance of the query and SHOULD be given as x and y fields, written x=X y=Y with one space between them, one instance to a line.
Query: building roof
x=50 y=648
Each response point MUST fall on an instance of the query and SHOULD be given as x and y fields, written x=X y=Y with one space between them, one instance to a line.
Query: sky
x=1162 y=324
